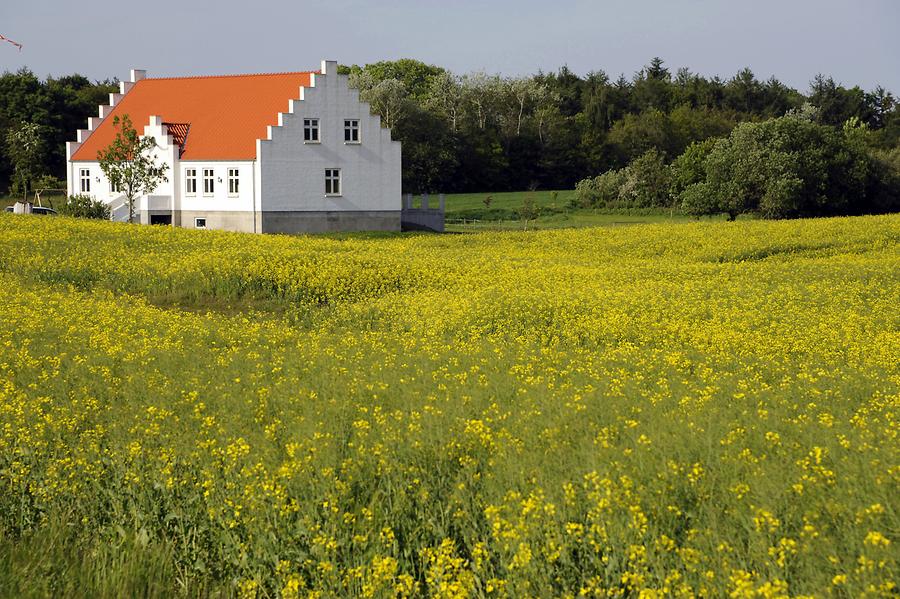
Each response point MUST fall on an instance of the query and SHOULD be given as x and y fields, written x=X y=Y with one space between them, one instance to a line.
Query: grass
x=467 y=212
x=565 y=220
x=466 y=202
x=693 y=409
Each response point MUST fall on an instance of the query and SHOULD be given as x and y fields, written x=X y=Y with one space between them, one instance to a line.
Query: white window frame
x=351 y=130
x=197 y=224
x=234 y=182
x=332 y=176
x=209 y=176
x=312 y=133
x=113 y=188
x=190 y=181
x=84 y=177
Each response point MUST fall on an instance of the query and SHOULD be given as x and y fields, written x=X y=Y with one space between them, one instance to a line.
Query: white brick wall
x=292 y=172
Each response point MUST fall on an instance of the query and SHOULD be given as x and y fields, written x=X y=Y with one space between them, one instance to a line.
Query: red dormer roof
x=211 y=118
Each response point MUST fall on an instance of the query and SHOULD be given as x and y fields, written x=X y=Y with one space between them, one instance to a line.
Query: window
x=233 y=182
x=332 y=181
x=351 y=131
x=311 y=130
x=190 y=181
x=209 y=184
x=199 y=223
x=114 y=187
x=85 y=176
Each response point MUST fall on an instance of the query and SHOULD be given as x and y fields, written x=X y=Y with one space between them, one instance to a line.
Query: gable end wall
x=292 y=173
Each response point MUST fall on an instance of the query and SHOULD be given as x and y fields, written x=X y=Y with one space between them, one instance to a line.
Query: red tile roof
x=224 y=115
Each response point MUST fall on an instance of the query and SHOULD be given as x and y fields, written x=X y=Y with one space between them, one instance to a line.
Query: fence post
x=442 y=202
x=425 y=201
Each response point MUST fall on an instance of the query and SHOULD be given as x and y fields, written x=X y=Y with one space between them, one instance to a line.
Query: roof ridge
x=232 y=75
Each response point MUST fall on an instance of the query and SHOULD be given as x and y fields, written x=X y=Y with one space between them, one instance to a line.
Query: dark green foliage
x=599 y=192
x=687 y=125
x=642 y=184
x=429 y=151
x=26 y=148
x=646 y=183
x=414 y=74
x=635 y=134
x=483 y=132
x=782 y=168
x=836 y=104
x=58 y=106
x=688 y=169
x=83 y=206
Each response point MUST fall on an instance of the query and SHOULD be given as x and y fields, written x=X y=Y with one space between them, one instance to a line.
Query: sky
x=854 y=41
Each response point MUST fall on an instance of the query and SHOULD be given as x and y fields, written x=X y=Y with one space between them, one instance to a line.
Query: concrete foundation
x=280 y=222
x=221 y=220
x=329 y=221
x=418 y=219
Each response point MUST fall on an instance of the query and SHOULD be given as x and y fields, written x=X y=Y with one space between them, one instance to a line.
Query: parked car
x=38 y=210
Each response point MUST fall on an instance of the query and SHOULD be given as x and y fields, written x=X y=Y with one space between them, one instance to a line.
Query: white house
x=268 y=153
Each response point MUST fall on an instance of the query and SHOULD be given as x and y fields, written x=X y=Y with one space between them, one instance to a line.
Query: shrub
x=599 y=192
x=642 y=184
x=689 y=168
x=783 y=168
x=84 y=206
x=646 y=182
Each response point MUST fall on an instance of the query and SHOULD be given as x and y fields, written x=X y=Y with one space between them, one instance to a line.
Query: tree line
x=784 y=167
x=37 y=118
x=485 y=132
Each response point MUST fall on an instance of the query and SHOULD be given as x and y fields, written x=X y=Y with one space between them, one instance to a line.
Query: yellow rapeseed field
x=707 y=409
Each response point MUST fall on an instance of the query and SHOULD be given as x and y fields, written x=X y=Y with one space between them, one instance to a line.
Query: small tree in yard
x=26 y=147
x=129 y=163
x=529 y=210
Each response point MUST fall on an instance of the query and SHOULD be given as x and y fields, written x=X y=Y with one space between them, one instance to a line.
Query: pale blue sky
x=857 y=42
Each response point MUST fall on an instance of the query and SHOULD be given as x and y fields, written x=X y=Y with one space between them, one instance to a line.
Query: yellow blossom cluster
x=707 y=409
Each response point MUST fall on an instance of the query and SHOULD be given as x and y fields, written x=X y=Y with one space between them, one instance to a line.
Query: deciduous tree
x=129 y=163
x=25 y=145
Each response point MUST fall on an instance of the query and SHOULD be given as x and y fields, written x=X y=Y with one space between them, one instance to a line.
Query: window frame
x=332 y=178
x=197 y=224
x=351 y=127
x=84 y=180
x=234 y=176
x=211 y=179
x=312 y=125
x=192 y=179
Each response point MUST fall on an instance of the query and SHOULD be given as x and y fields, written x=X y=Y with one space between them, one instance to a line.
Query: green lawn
x=467 y=212
x=566 y=220
x=509 y=200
